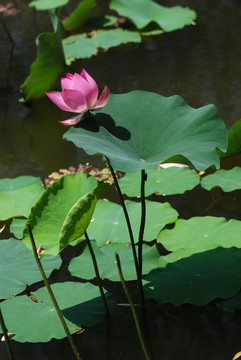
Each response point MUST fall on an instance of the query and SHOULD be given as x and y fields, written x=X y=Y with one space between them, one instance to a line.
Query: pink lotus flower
x=79 y=94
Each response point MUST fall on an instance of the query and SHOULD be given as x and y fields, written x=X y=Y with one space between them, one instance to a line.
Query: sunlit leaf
x=142 y=12
x=80 y=266
x=63 y=212
x=47 y=4
x=81 y=305
x=19 y=269
x=108 y=222
x=228 y=180
x=169 y=181
x=18 y=195
x=45 y=69
x=151 y=129
x=200 y=234
x=197 y=279
x=79 y=15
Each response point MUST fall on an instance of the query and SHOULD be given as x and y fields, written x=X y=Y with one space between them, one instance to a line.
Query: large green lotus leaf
x=234 y=141
x=108 y=221
x=18 y=195
x=168 y=181
x=200 y=234
x=142 y=12
x=45 y=69
x=47 y=4
x=81 y=265
x=18 y=267
x=140 y=130
x=63 y=212
x=197 y=279
x=31 y=321
x=79 y=15
x=228 y=180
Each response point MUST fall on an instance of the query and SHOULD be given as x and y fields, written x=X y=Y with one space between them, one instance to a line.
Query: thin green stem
x=134 y=313
x=51 y=294
x=6 y=338
x=143 y=220
x=98 y=278
x=127 y=219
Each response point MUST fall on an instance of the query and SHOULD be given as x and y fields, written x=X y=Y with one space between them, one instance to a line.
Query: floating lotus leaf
x=37 y=321
x=200 y=234
x=108 y=222
x=63 y=212
x=18 y=195
x=81 y=265
x=228 y=180
x=143 y=12
x=140 y=130
x=197 y=279
x=47 y=4
x=83 y=46
x=169 y=181
x=19 y=269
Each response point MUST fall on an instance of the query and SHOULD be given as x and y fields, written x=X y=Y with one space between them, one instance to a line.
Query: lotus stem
x=126 y=217
x=5 y=334
x=134 y=313
x=98 y=278
x=143 y=219
x=51 y=294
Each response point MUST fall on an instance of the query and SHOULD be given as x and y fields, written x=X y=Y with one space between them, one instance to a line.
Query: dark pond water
x=202 y=63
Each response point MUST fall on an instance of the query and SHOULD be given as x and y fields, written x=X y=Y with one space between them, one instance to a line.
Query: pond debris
x=237 y=356
x=9 y=9
x=102 y=174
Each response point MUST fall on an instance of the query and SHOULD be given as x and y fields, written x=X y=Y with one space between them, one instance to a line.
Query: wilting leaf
x=18 y=195
x=80 y=304
x=152 y=129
